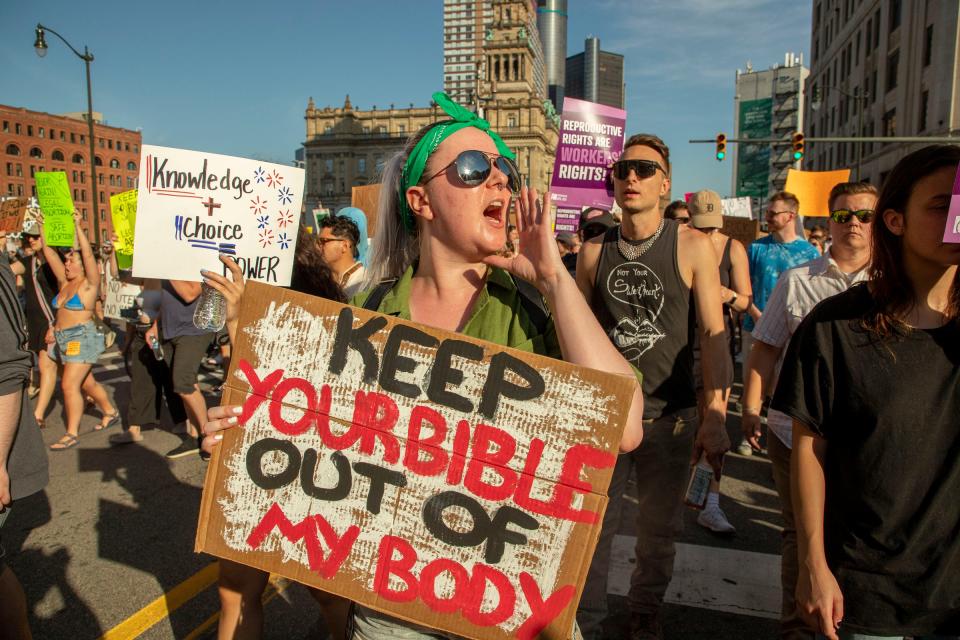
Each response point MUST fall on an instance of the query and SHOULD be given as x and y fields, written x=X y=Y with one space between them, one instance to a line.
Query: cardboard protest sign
x=737 y=207
x=53 y=194
x=12 y=212
x=743 y=229
x=441 y=479
x=121 y=300
x=812 y=188
x=123 y=211
x=193 y=205
x=591 y=138
x=367 y=199
x=951 y=232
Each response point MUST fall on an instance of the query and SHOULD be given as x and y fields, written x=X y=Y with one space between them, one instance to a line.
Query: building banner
x=437 y=478
x=952 y=231
x=193 y=205
x=812 y=189
x=123 y=212
x=53 y=194
x=12 y=213
x=591 y=139
x=753 y=160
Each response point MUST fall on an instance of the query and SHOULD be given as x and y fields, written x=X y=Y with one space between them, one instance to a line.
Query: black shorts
x=183 y=354
x=3 y=554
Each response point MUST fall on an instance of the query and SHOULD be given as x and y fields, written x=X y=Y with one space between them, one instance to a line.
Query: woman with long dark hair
x=872 y=382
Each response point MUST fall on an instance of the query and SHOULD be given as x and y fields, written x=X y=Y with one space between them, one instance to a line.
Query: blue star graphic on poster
x=285 y=195
x=259 y=175
x=283 y=241
x=263 y=221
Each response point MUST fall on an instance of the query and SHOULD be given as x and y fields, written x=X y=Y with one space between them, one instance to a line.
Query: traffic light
x=798 y=146
x=721 y=146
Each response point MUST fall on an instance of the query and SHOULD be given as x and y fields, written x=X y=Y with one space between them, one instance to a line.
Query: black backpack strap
x=372 y=303
x=533 y=303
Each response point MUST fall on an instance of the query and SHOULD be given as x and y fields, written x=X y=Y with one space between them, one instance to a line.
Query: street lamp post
x=861 y=97
x=40 y=45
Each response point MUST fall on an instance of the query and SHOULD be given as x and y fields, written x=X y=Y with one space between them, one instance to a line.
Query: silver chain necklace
x=634 y=251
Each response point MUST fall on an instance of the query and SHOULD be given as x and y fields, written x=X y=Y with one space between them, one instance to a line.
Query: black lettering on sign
x=484 y=529
x=444 y=374
x=261 y=448
x=497 y=384
x=394 y=363
x=379 y=476
x=357 y=339
x=337 y=492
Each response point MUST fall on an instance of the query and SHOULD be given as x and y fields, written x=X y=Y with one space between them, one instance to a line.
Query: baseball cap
x=596 y=225
x=31 y=228
x=566 y=239
x=706 y=212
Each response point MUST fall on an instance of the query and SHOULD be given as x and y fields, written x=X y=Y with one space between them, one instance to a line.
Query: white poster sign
x=737 y=207
x=121 y=301
x=193 y=205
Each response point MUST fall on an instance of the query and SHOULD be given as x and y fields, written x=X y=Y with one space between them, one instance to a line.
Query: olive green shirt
x=498 y=316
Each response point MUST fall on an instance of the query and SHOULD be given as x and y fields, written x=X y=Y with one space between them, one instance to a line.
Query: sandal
x=113 y=419
x=68 y=441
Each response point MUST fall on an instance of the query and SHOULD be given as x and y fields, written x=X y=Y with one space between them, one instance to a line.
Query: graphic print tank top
x=647 y=310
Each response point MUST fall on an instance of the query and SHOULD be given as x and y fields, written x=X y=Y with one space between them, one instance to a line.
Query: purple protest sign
x=591 y=138
x=952 y=231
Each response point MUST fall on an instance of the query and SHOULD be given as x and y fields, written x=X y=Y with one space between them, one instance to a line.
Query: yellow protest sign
x=123 y=210
x=812 y=188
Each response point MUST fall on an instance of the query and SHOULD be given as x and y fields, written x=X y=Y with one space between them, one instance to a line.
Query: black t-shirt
x=890 y=412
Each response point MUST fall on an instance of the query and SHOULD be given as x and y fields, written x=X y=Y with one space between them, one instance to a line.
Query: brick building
x=33 y=141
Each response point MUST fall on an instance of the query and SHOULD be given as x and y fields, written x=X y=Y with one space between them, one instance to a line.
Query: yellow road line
x=275 y=588
x=163 y=606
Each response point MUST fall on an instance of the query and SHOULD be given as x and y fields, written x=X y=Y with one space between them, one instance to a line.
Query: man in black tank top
x=642 y=279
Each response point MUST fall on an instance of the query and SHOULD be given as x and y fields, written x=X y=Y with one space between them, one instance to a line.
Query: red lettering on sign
x=400 y=567
x=461 y=582
x=436 y=458
x=259 y=389
x=461 y=441
x=482 y=574
x=496 y=460
x=276 y=406
x=380 y=414
x=542 y=613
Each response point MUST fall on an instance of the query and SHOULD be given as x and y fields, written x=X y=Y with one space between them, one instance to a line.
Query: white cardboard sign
x=193 y=205
x=737 y=207
x=121 y=300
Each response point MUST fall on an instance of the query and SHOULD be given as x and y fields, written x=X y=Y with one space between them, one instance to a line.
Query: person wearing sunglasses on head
x=434 y=260
x=770 y=256
x=871 y=381
x=641 y=278
x=798 y=291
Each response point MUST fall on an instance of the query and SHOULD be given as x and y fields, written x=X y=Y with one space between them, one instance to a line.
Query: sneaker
x=714 y=519
x=185 y=448
x=744 y=448
x=645 y=626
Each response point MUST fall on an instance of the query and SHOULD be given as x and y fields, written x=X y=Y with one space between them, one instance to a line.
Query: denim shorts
x=79 y=343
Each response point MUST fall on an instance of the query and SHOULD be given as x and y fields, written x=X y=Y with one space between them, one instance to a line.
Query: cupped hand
x=712 y=439
x=231 y=288
x=538 y=259
x=218 y=419
x=750 y=422
x=820 y=601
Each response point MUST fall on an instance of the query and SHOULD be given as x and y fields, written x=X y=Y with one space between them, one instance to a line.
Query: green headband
x=417 y=160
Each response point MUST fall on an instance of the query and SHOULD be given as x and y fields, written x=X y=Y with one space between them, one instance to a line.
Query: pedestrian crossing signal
x=798 y=145
x=721 y=146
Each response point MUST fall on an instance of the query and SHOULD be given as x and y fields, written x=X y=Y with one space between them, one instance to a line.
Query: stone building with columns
x=347 y=147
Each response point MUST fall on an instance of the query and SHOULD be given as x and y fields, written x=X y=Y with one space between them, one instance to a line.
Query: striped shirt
x=797 y=292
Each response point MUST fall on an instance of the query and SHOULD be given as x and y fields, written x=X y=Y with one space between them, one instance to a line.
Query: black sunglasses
x=474 y=167
x=842 y=216
x=643 y=168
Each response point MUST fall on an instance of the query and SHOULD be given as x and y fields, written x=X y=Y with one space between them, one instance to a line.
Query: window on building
x=136 y=148
x=361 y=165
x=29 y=129
x=6 y=126
x=101 y=143
x=876 y=29
x=57 y=155
x=83 y=139
x=36 y=152
x=328 y=165
x=129 y=182
x=13 y=150
x=19 y=170
x=890 y=123
x=100 y=178
x=63 y=137
x=114 y=163
x=131 y=166
x=77 y=158
x=402 y=129
x=924 y=105
x=896 y=9
x=76 y=176
x=928 y=46
x=17 y=128
x=76 y=195
x=73 y=138
x=9 y=168
x=893 y=64
x=98 y=161
x=41 y=132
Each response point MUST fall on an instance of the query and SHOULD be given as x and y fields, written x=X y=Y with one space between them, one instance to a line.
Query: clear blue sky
x=234 y=76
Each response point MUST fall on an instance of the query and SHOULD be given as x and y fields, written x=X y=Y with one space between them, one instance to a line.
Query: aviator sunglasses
x=643 y=168
x=474 y=167
x=842 y=216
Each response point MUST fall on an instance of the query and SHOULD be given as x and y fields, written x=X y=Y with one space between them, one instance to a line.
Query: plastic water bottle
x=699 y=486
x=157 y=348
x=211 y=312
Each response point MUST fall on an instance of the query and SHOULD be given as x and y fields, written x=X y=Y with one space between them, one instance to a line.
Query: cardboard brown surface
x=367 y=199
x=287 y=347
x=742 y=229
x=12 y=212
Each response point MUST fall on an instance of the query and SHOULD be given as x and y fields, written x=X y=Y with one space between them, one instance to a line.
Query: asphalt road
x=107 y=549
